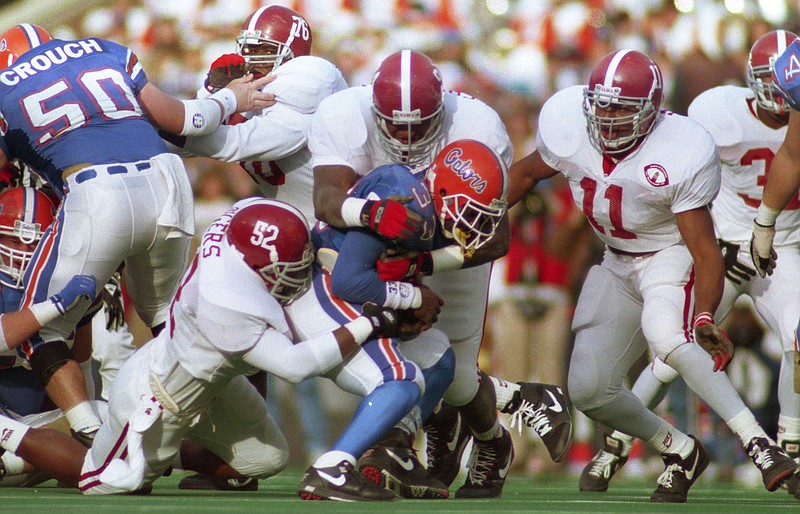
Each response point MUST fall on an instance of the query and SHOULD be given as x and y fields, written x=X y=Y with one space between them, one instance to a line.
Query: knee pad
x=49 y=358
x=664 y=372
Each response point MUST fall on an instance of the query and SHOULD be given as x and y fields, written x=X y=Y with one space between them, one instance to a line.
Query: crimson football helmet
x=760 y=63
x=19 y=39
x=25 y=213
x=272 y=35
x=468 y=182
x=622 y=101
x=407 y=96
x=273 y=239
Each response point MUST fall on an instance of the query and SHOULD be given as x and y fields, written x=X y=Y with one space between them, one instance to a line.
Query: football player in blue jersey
x=403 y=379
x=81 y=114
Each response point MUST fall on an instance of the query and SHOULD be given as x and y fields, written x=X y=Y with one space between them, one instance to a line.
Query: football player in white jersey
x=644 y=179
x=406 y=117
x=270 y=143
x=748 y=125
x=227 y=320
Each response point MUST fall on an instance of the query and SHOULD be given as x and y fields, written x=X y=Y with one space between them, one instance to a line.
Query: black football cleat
x=598 y=472
x=775 y=465
x=340 y=483
x=546 y=410
x=447 y=438
x=201 y=482
x=679 y=475
x=488 y=467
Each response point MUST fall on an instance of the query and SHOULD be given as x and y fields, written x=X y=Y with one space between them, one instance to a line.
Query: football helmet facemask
x=407 y=102
x=273 y=239
x=468 y=182
x=25 y=214
x=622 y=101
x=19 y=39
x=760 y=64
x=272 y=35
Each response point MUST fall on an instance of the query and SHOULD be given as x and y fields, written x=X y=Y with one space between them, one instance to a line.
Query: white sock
x=82 y=417
x=86 y=369
x=789 y=430
x=669 y=439
x=411 y=422
x=493 y=433
x=333 y=458
x=626 y=440
x=746 y=427
x=14 y=464
x=13 y=432
x=504 y=391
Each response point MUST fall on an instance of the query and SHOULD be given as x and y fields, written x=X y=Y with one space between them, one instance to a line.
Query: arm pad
x=49 y=358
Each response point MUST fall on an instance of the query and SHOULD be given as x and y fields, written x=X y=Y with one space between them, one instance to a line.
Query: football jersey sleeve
x=562 y=127
x=273 y=134
x=338 y=130
x=129 y=62
x=702 y=185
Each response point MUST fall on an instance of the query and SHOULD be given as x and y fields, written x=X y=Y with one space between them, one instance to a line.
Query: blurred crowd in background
x=512 y=54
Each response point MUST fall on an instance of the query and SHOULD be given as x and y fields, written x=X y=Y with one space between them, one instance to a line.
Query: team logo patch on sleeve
x=656 y=175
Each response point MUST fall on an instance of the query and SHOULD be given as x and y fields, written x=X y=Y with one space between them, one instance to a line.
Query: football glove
x=735 y=271
x=761 y=250
x=112 y=303
x=385 y=322
x=224 y=69
x=713 y=340
x=389 y=218
x=403 y=266
x=79 y=287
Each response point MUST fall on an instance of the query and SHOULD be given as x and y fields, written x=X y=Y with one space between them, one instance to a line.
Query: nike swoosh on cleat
x=340 y=480
x=406 y=463
x=690 y=472
x=453 y=443
x=556 y=407
x=504 y=470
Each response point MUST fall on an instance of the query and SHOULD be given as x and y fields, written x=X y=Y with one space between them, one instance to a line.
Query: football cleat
x=545 y=409
x=200 y=482
x=447 y=439
x=397 y=468
x=340 y=483
x=488 y=467
x=598 y=472
x=775 y=465
x=679 y=475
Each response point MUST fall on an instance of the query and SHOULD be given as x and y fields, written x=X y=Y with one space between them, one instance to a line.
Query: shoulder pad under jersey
x=719 y=111
x=304 y=81
x=562 y=125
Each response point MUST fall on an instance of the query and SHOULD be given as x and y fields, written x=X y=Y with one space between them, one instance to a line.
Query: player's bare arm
x=18 y=326
x=330 y=191
x=697 y=229
x=170 y=113
x=783 y=180
x=525 y=174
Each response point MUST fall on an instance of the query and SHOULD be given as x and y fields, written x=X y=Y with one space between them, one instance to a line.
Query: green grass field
x=521 y=495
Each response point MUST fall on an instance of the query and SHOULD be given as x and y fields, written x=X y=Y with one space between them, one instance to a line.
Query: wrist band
x=361 y=328
x=351 y=211
x=44 y=312
x=704 y=318
x=228 y=100
x=766 y=215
